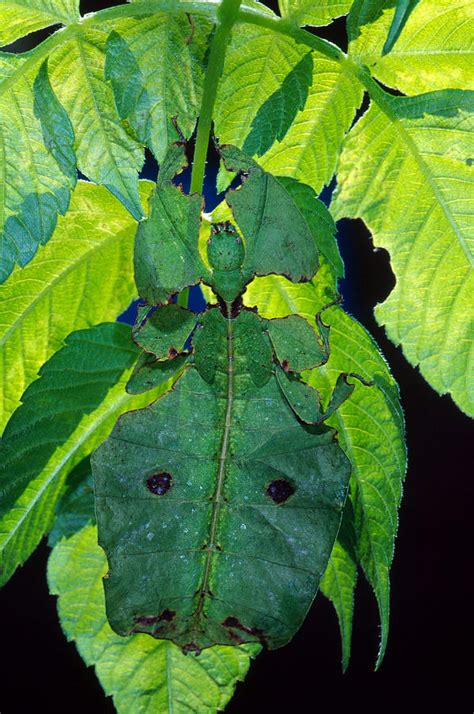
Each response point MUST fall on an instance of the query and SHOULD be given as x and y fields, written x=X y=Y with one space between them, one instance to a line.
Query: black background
x=429 y=661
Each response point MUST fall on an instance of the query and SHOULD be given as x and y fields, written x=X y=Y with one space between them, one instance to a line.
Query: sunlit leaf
x=420 y=147
x=64 y=415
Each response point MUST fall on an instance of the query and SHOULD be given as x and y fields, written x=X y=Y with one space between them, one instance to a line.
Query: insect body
x=218 y=505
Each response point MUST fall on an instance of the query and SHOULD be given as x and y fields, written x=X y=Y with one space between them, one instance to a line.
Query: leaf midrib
x=49 y=287
x=56 y=470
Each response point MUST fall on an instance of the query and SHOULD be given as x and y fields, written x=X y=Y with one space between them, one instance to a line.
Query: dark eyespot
x=280 y=490
x=159 y=484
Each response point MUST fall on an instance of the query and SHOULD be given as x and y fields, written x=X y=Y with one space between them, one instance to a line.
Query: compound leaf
x=309 y=150
x=34 y=186
x=20 y=17
x=42 y=303
x=420 y=147
x=64 y=415
x=256 y=65
x=339 y=580
x=75 y=507
x=139 y=673
x=106 y=154
x=434 y=51
x=277 y=113
x=155 y=65
x=309 y=12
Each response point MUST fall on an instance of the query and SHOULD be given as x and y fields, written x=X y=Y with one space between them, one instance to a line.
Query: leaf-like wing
x=64 y=415
x=309 y=12
x=434 y=51
x=370 y=427
x=166 y=253
x=42 y=303
x=155 y=65
x=420 y=146
x=141 y=674
x=20 y=17
x=34 y=186
x=217 y=508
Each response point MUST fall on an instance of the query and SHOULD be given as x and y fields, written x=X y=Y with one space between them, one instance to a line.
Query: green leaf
x=34 y=186
x=277 y=113
x=434 y=51
x=106 y=154
x=256 y=64
x=156 y=71
x=58 y=133
x=371 y=432
x=75 y=508
x=403 y=10
x=309 y=12
x=20 y=17
x=65 y=414
x=140 y=673
x=339 y=580
x=310 y=149
x=421 y=147
x=41 y=304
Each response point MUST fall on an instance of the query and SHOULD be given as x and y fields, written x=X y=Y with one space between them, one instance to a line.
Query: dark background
x=428 y=665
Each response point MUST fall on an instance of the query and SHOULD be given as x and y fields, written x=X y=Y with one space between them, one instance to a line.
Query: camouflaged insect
x=218 y=505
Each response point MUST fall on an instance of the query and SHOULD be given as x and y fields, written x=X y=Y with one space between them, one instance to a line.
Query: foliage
x=91 y=97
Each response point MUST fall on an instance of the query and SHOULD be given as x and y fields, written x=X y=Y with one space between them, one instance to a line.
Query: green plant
x=90 y=97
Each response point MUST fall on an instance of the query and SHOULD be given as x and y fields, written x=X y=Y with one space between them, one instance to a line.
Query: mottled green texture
x=215 y=559
x=156 y=70
x=20 y=17
x=313 y=12
x=165 y=331
x=406 y=147
x=64 y=415
x=435 y=50
x=216 y=506
x=295 y=343
x=277 y=113
x=276 y=235
x=166 y=257
x=139 y=673
x=34 y=187
x=371 y=432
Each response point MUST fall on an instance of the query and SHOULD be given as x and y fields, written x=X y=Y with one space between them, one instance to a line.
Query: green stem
x=226 y=17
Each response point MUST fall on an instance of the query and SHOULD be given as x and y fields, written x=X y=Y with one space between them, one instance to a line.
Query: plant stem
x=226 y=17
